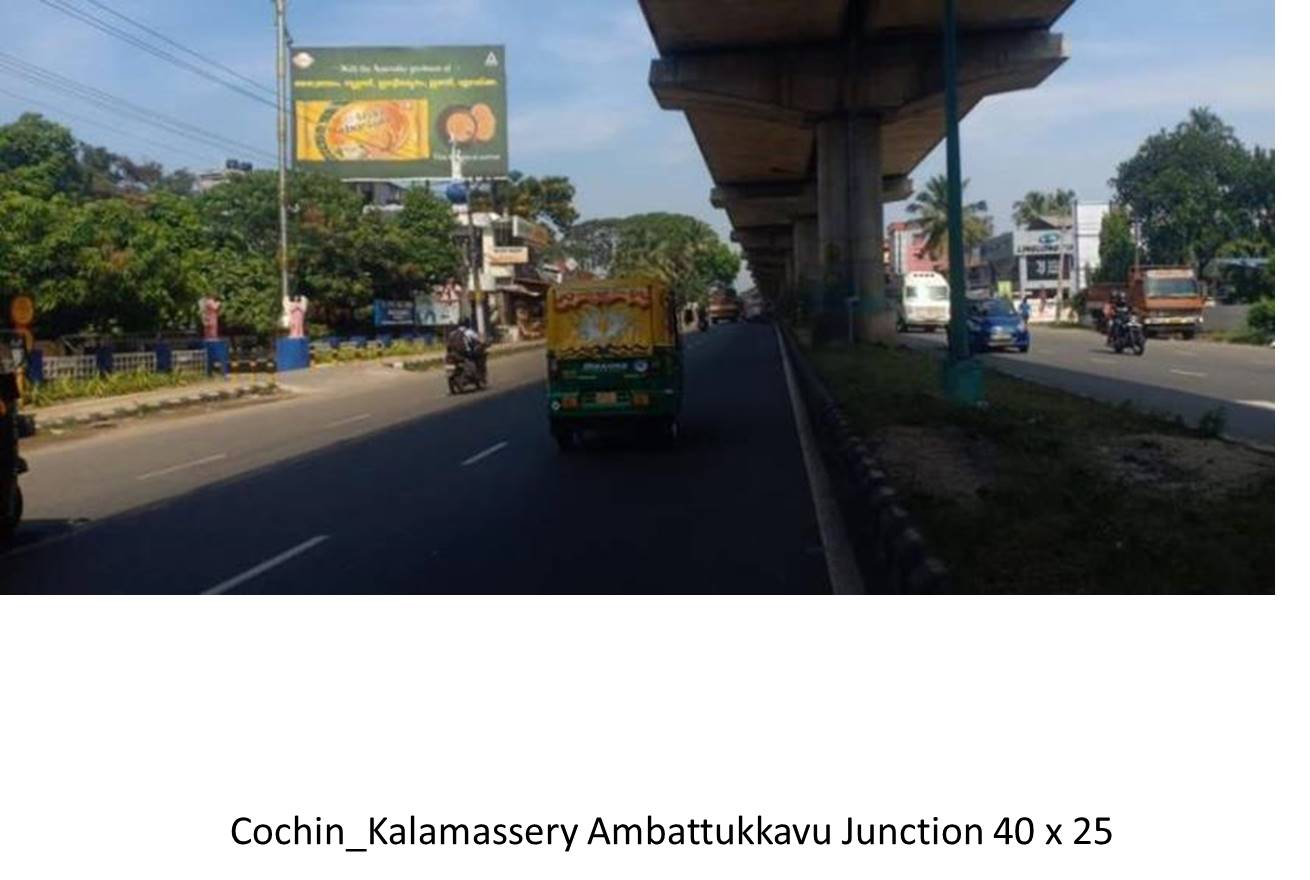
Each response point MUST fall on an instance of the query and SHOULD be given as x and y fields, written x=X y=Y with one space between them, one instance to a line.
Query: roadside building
x=207 y=180
x=907 y=250
x=1087 y=244
x=1036 y=262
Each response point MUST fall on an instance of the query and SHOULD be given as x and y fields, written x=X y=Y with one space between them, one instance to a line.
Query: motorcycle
x=465 y=372
x=1128 y=333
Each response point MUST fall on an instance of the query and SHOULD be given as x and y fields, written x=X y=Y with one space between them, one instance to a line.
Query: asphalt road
x=1173 y=376
x=374 y=481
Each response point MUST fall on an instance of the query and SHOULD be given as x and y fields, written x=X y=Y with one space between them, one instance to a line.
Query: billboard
x=386 y=113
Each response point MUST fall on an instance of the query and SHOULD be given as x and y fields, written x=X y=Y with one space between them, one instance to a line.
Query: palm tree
x=1037 y=205
x=931 y=208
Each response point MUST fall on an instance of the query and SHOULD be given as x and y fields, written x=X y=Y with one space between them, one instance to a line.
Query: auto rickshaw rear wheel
x=12 y=513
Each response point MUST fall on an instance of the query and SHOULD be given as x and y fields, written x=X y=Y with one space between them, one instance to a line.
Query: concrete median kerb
x=888 y=542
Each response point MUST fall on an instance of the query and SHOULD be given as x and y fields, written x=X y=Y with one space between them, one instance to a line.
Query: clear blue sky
x=580 y=106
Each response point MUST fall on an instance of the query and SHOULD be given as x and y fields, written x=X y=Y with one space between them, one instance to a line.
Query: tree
x=685 y=253
x=1194 y=189
x=537 y=199
x=39 y=158
x=593 y=244
x=931 y=207
x=1118 y=251
x=1036 y=205
x=428 y=226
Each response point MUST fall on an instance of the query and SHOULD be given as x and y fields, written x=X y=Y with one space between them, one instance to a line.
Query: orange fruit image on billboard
x=376 y=131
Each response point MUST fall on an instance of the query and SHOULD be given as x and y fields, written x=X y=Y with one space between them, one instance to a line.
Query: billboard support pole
x=280 y=9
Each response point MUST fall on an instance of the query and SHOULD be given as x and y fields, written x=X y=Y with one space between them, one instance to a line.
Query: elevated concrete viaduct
x=811 y=114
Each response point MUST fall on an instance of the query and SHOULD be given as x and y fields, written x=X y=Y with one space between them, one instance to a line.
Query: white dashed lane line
x=486 y=453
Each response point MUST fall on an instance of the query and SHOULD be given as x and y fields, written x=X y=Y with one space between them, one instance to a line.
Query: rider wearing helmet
x=1116 y=310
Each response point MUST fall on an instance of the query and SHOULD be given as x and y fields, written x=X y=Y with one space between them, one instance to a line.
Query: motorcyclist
x=464 y=343
x=1117 y=313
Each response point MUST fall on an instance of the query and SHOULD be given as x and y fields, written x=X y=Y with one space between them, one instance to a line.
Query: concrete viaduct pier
x=811 y=114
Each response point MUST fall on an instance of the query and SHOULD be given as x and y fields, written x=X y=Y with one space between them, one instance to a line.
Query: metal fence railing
x=189 y=361
x=135 y=362
x=79 y=366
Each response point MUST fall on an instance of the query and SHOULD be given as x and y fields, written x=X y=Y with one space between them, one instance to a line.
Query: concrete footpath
x=88 y=411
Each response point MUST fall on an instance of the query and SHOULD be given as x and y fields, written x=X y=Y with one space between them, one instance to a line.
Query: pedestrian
x=1025 y=310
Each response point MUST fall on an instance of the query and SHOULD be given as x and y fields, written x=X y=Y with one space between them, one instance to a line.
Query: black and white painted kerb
x=888 y=547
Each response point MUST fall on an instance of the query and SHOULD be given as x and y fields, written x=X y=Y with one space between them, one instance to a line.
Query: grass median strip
x=1044 y=491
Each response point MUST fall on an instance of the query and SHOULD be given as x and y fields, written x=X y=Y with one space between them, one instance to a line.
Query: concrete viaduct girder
x=811 y=114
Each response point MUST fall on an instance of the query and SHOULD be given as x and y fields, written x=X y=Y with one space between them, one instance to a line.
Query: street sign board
x=393 y=313
x=1033 y=242
x=371 y=113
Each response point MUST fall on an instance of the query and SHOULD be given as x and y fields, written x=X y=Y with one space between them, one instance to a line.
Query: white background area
x=136 y=731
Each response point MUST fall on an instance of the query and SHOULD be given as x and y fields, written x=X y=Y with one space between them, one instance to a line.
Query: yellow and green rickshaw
x=613 y=357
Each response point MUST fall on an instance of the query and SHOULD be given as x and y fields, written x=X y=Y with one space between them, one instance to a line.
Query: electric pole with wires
x=280 y=9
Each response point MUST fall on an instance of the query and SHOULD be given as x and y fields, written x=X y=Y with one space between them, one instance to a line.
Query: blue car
x=994 y=323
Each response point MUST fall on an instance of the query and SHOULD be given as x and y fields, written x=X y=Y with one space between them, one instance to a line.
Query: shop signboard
x=385 y=113
x=507 y=256
x=433 y=311
x=1038 y=242
x=393 y=313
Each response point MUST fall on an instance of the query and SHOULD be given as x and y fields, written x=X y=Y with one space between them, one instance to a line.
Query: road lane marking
x=350 y=421
x=1189 y=373
x=842 y=571
x=265 y=566
x=1261 y=404
x=486 y=453
x=184 y=466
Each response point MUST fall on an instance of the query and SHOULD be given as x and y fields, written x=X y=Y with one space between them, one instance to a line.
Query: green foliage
x=63 y=390
x=38 y=158
x=683 y=252
x=1196 y=188
x=1037 y=205
x=1260 y=319
x=537 y=199
x=1118 y=251
x=931 y=208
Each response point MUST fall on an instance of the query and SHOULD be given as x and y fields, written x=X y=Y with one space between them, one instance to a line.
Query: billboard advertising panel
x=386 y=113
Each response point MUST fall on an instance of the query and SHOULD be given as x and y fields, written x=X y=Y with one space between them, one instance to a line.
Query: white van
x=922 y=301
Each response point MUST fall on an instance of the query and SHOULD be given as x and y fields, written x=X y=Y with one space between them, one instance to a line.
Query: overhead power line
x=103 y=100
x=87 y=120
x=175 y=44
x=145 y=46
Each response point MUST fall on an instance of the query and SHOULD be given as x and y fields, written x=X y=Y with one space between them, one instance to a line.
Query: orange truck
x=724 y=306
x=1167 y=299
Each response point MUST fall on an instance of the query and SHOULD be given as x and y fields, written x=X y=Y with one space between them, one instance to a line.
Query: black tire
x=1189 y=334
x=901 y=326
x=454 y=389
x=12 y=514
x=1139 y=345
x=565 y=438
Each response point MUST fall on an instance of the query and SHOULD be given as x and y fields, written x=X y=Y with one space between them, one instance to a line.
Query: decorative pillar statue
x=209 y=309
x=294 y=308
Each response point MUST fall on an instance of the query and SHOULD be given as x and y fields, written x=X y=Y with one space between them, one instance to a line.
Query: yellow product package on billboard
x=362 y=131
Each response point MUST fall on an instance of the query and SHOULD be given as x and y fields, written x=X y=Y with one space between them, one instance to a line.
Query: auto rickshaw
x=13 y=427
x=613 y=358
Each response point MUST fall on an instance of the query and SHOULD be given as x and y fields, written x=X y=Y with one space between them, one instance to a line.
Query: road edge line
x=843 y=573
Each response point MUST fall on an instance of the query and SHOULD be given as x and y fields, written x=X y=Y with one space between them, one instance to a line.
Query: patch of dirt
x=1169 y=462
x=941 y=462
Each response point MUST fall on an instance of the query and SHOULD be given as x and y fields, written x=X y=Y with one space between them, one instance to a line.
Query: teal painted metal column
x=963 y=375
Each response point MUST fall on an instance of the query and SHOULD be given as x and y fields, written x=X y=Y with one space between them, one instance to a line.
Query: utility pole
x=280 y=10
x=963 y=376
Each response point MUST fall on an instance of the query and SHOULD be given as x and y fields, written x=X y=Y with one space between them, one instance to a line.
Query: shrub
x=61 y=390
x=1260 y=319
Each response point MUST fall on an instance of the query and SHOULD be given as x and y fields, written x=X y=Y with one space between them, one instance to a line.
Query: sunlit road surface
x=382 y=483
x=1173 y=376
